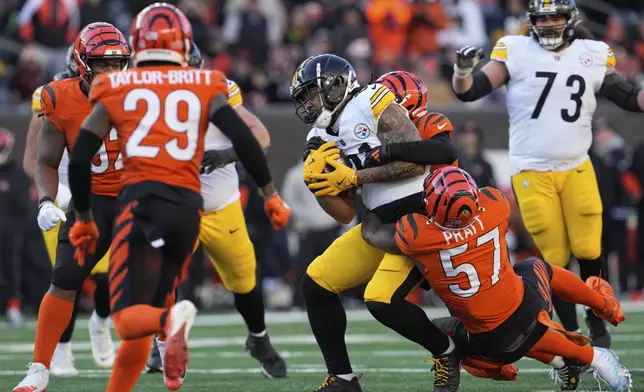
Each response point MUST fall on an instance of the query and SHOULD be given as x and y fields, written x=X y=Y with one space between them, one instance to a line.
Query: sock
x=542 y=357
x=96 y=319
x=451 y=347
x=595 y=267
x=346 y=377
x=53 y=317
x=411 y=322
x=139 y=321
x=102 y=296
x=569 y=287
x=259 y=335
x=129 y=364
x=596 y=362
x=567 y=312
x=552 y=342
x=69 y=331
x=328 y=323
x=13 y=303
x=251 y=307
x=557 y=362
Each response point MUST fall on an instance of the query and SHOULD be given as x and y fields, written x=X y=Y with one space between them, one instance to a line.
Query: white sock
x=97 y=320
x=451 y=347
x=258 y=335
x=597 y=360
x=346 y=377
x=161 y=347
x=67 y=346
x=558 y=362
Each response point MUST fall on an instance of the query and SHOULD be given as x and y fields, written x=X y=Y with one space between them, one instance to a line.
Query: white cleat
x=62 y=363
x=608 y=369
x=161 y=347
x=36 y=379
x=103 y=349
x=175 y=353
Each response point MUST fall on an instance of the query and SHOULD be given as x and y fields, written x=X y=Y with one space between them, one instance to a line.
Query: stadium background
x=258 y=43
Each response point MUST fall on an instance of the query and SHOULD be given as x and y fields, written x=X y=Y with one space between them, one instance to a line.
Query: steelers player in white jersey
x=552 y=77
x=348 y=122
x=224 y=236
x=103 y=349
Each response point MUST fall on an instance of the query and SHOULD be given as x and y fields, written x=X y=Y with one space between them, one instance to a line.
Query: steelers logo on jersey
x=362 y=131
x=586 y=60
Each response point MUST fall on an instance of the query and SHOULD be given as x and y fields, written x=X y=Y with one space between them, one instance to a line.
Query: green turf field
x=390 y=364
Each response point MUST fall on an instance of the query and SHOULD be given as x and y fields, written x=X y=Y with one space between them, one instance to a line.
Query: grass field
x=390 y=364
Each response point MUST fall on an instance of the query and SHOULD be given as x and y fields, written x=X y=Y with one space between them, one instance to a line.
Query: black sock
x=251 y=308
x=567 y=312
x=411 y=322
x=69 y=331
x=596 y=267
x=329 y=323
x=102 y=296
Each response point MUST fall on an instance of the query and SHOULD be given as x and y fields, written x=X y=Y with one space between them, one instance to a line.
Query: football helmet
x=410 y=91
x=194 y=57
x=553 y=37
x=99 y=41
x=161 y=33
x=320 y=87
x=451 y=197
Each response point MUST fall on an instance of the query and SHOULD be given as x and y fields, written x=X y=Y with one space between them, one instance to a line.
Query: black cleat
x=567 y=376
x=271 y=364
x=599 y=335
x=337 y=384
x=447 y=372
x=154 y=361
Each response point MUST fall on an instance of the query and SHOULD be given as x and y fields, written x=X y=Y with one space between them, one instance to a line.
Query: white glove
x=63 y=197
x=49 y=215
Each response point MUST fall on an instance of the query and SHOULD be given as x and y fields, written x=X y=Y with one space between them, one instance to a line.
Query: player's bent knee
x=557 y=257
x=242 y=284
x=375 y=293
x=533 y=217
x=68 y=277
x=586 y=249
x=314 y=293
x=379 y=310
x=316 y=272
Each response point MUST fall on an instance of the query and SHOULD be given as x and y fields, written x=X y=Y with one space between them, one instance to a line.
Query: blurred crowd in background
x=259 y=43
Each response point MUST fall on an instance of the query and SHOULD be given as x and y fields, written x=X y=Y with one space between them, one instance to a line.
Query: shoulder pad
x=48 y=98
x=601 y=52
x=234 y=93
x=380 y=97
x=35 y=100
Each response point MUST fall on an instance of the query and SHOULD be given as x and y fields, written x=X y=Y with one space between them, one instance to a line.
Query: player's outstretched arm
x=394 y=126
x=30 y=160
x=378 y=234
x=621 y=92
x=89 y=141
x=437 y=150
x=470 y=87
x=50 y=146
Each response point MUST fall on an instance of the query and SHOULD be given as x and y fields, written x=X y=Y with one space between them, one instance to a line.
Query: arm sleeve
x=437 y=150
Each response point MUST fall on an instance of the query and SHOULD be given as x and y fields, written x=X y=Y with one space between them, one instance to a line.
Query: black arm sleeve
x=248 y=150
x=80 y=177
x=438 y=150
x=621 y=92
x=481 y=86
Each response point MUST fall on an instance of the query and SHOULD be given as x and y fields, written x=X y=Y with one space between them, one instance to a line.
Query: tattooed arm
x=50 y=146
x=394 y=126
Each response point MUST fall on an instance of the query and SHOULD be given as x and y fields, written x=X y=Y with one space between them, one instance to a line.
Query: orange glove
x=277 y=210
x=83 y=236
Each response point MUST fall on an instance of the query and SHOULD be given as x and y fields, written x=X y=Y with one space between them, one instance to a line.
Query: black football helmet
x=553 y=37
x=320 y=86
x=194 y=57
x=70 y=69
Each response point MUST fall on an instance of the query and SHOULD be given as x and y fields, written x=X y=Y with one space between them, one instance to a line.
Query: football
x=342 y=159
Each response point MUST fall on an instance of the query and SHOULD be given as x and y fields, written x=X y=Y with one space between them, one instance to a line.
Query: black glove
x=215 y=159
x=312 y=144
x=466 y=59
x=377 y=157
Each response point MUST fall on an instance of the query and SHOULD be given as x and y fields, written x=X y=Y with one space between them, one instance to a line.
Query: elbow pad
x=481 y=86
x=621 y=92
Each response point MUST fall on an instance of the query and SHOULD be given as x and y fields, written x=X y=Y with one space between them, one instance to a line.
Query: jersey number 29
x=189 y=126
x=575 y=81
x=468 y=269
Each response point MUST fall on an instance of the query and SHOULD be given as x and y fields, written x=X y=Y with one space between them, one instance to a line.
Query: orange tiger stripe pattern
x=410 y=91
x=451 y=197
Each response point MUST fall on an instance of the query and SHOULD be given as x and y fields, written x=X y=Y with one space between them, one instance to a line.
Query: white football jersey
x=551 y=100
x=355 y=133
x=221 y=187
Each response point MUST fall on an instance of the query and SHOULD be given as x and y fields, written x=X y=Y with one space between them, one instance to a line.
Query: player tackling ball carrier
x=552 y=78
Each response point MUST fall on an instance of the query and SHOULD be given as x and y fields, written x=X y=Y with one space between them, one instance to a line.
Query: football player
x=503 y=311
x=161 y=111
x=552 y=78
x=99 y=48
x=62 y=363
x=355 y=120
x=223 y=230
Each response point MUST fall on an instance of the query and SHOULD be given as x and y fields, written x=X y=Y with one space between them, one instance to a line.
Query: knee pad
x=68 y=277
x=314 y=293
x=242 y=284
x=557 y=257
x=586 y=249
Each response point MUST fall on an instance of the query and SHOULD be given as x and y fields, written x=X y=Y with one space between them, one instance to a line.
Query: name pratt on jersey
x=464 y=233
x=187 y=76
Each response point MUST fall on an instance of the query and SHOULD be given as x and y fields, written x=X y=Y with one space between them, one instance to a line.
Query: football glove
x=315 y=162
x=466 y=59
x=49 y=215
x=311 y=145
x=377 y=157
x=277 y=210
x=83 y=236
x=215 y=159
x=335 y=182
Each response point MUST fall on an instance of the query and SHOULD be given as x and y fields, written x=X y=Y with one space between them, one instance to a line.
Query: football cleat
x=271 y=364
x=175 y=354
x=154 y=364
x=36 y=379
x=612 y=311
x=567 y=377
x=337 y=384
x=447 y=372
x=103 y=350
x=611 y=371
x=62 y=362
